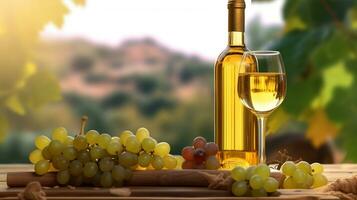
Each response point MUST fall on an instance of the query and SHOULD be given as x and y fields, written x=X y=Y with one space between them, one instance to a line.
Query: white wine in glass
x=261 y=88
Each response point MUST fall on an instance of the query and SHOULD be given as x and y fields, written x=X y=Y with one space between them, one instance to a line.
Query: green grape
x=70 y=153
x=96 y=153
x=75 y=168
x=239 y=188
x=42 y=141
x=128 y=159
x=319 y=180
x=170 y=161
x=106 y=164
x=162 y=149
x=142 y=133
x=76 y=180
x=288 y=168
x=88 y=181
x=115 y=139
x=60 y=134
x=114 y=147
x=289 y=183
x=90 y=169
x=212 y=163
x=55 y=147
x=238 y=173
x=256 y=182
x=60 y=163
x=317 y=168
x=92 y=136
x=148 y=144
x=124 y=135
x=271 y=184
x=128 y=174
x=144 y=159
x=299 y=176
x=262 y=170
x=304 y=166
x=132 y=144
x=250 y=171
x=80 y=143
x=308 y=183
x=46 y=153
x=118 y=173
x=83 y=156
x=103 y=140
x=35 y=156
x=180 y=161
x=118 y=184
x=106 y=180
x=96 y=179
x=259 y=193
x=42 y=166
x=69 y=141
x=63 y=177
x=157 y=162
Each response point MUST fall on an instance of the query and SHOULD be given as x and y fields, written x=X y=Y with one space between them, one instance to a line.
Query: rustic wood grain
x=332 y=172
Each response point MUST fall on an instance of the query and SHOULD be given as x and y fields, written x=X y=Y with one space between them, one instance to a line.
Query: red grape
x=187 y=153
x=188 y=164
x=199 y=142
x=199 y=166
x=211 y=149
x=199 y=155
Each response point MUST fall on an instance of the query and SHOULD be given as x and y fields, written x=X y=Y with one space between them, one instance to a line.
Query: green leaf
x=335 y=76
x=14 y=104
x=315 y=13
x=335 y=49
x=4 y=127
x=300 y=95
x=41 y=89
x=343 y=108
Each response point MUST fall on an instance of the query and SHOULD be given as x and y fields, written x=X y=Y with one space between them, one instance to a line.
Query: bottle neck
x=236 y=22
x=236 y=39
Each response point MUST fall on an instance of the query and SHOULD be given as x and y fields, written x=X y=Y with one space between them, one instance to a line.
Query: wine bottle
x=235 y=126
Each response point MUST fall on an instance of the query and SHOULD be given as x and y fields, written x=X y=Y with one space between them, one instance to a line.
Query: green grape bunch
x=254 y=181
x=303 y=175
x=98 y=159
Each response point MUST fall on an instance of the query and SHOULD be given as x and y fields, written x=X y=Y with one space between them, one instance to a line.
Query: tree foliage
x=23 y=85
x=319 y=48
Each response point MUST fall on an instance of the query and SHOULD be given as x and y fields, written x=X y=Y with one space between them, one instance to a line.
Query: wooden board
x=170 y=193
x=186 y=193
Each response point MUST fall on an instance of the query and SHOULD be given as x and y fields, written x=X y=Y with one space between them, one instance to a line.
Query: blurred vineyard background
x=46 y=83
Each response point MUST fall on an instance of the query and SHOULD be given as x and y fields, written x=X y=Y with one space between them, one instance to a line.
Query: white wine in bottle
x=235 y=126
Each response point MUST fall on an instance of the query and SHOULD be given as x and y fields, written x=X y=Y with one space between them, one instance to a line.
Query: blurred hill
x=139 y=83
x=137 y=67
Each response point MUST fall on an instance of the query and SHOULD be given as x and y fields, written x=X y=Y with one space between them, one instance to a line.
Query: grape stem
x=84 y=121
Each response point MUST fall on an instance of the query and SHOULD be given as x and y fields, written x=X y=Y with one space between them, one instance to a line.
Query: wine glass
x=261 y=88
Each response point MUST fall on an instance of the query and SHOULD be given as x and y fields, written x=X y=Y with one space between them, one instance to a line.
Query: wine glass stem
x=261 y=139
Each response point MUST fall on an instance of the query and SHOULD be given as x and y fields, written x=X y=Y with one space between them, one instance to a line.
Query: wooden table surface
x=332 y=171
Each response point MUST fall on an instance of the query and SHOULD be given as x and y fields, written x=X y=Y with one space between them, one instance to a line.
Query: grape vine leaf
x=321 y=128
x=4 y=127
x=41 y=89
x=14 y=104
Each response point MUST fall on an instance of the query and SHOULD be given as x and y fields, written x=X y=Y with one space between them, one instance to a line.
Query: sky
x=190 y=26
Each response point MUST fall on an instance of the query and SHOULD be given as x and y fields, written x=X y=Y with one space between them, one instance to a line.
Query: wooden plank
x=158 y=192
x=178 y=198
x=332 y=172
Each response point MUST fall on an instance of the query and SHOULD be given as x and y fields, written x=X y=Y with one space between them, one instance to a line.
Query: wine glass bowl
x=261 y=87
